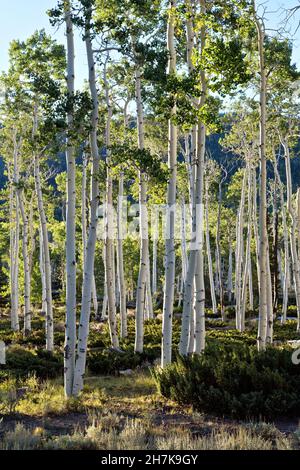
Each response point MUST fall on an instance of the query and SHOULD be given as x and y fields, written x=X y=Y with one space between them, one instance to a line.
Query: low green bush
x=21 y=362
x=234 y=380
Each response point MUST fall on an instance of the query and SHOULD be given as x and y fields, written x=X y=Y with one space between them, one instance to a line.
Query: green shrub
x=21 y=362
x=236 y=380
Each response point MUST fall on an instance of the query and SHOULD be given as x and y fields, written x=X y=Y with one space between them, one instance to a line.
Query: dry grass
x=106 y=434
x=126 y=413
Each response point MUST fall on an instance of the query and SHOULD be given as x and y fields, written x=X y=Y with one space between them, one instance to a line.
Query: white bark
x=184 y=258
x=120 y=260
x=246 y=277
x=46 y=257
x=263 y=236
x=240 y=255
x=14 y=258
x=169 y=286
x=149 y=309
x=143 y=223
x=293 y=230
x=42 y=271
x=218 y=254
x=154 y=260
x=229 y=274
x=196 y=255
x=92 y=233
x=209 y=258
x=285 y=286
x=109 y=242
x=70 y=332
x=27 y=306
x=26 y=261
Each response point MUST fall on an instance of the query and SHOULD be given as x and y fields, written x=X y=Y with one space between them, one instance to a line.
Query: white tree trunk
x=169 y=286
x=46 y=257
x=285 y=283
x=70 y=332
x=294 y=225
x=229 y=274
x=14 y=258
x=148 y=292
x=184 y=258
x=209 y=259
x=154 y=260
x=92 y=233
x=218 y=254
x=42 y=271
x=26 y=261
x=263 y=235
x=197 y=228
x=120 y=260
x=239 y=256
x=144 y=241
x=246 y=277
x=109 y=235
x=27 y=306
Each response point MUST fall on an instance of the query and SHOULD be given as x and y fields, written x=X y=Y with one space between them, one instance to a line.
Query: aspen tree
x=46 y=258
x=14 y=254
x=294 y=225
x=263 y=236
x=208 y=250
x=286 y=247
x=92 y=232
x=120 y=260
x=171 y=201
x=240 y=255
x=25 y=229
x=143 y=220
x=196 y=255
x=70 y=335
x=109 y=241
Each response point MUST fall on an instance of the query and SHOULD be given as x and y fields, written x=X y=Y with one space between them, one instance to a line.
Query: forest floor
x=117 y=411
x=109 y=403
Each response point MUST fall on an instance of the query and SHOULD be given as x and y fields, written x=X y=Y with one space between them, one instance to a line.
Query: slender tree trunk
x=209 y=259
x=239 y=256
x=246 y=278
x=218 y=254
x=120 y=260
x=26 y=263
x=92 y=233
x=109 y=236
x=31 y=234
x=148 y=291
x=184 y=259
x=263 y=235
x=46 y=256
x=70 y=332
x=42 y=271
x=294 y=226
x=27 y=306
x=144 y=241
x=154 y=260
x=169 y=286
x=196 y=255
x=229 y=275
x=255 y=226
x=286 y=248
x=14 y=258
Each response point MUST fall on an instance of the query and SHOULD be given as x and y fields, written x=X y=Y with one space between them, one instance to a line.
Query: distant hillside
x=214 y=149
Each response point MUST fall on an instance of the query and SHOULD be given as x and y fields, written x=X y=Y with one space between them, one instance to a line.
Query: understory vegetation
x=231 y=378
x=150 y=227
